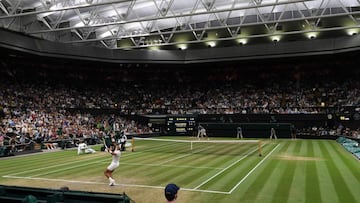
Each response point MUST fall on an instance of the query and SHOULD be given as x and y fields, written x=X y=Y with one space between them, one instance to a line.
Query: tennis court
x=216 y=171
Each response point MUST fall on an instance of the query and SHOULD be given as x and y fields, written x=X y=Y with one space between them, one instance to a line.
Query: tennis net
x=216 y=147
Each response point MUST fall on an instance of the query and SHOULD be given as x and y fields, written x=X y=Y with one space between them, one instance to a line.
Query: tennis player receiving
x=114 y=150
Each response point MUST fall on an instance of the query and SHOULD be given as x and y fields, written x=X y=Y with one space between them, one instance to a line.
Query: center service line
x=212 y=177
x=252 y=170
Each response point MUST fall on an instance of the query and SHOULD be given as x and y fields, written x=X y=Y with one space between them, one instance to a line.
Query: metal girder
x=2 y=7
x=346 y=11
x=63 y=9
x=146 y=19
x=86 y=21
x=242 y=24
x=161 y=15
x=247 y=37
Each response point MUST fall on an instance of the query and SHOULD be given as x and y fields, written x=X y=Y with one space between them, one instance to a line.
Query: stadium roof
x=179 y=24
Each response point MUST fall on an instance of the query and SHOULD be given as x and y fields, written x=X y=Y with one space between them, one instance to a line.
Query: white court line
x=90 y=159
x=101 y=183
x=49 y=179
x=101 y=161
x=67 y=168
x=176 y=158
x=54 y=166
x=169 y=165
x=167 y=145
x=146 y=186
x=212 y=177
x=97 y=155
x=252 y=170
x=179 y=157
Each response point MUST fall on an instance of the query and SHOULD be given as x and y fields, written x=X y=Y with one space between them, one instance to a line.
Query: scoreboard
x=180 y=125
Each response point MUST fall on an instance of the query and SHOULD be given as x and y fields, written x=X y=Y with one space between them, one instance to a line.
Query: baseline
x=101 y=183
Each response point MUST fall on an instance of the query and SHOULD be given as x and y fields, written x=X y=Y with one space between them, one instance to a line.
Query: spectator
x=84 y=149
x=171 y=192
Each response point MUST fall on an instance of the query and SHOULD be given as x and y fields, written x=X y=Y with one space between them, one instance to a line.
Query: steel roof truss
x=261 y=17
x=3 y=8
x=347 y=11
x=77 y=34
x=162 y=17
x=317 y=21
x=197 y=30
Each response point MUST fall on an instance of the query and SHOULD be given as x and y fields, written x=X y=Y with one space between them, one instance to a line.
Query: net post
x=191 y=145
x=260 y=144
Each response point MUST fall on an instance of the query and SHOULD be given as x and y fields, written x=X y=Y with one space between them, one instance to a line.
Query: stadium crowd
x=223 y=91
x=35 y=98
x=53 y=128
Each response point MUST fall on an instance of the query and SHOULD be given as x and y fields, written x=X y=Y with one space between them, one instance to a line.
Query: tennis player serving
x=114 y=150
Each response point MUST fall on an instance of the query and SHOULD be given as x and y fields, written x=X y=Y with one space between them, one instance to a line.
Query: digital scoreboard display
x=182 y=124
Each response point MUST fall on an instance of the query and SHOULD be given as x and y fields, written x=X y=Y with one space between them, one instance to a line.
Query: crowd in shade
x=178 y=91
x=35 y=98
x=50 y=127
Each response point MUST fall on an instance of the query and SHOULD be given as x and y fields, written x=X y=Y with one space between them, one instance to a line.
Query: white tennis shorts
x=113 y=166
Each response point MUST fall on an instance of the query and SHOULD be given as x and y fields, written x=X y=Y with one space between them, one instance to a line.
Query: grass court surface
x=288 y=171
